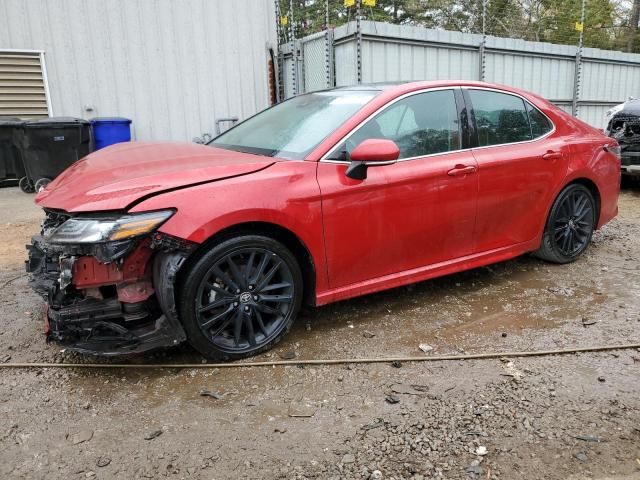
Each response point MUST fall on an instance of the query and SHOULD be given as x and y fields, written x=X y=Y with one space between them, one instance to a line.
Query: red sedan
x=324 y=197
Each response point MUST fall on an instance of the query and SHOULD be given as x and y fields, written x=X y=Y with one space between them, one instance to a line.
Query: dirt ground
x=563 y=417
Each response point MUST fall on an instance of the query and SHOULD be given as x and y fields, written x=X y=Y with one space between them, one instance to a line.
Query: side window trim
x=454 y=89
x=471 y=119
x=474 y=135
x=528 y=105
x=463 y=127
x=526 y=109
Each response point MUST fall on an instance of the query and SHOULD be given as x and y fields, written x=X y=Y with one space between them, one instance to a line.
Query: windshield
x=293 y=128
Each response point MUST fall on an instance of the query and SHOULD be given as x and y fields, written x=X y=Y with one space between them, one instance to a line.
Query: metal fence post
x=358 y=43
x=482 y=49
x=300 y=70
x=279 y=56
x=575 y=105
x=332 y=61
x=328 y=47
x=294 y=56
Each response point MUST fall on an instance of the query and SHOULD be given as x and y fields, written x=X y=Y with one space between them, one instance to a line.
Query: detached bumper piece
x=110 y=306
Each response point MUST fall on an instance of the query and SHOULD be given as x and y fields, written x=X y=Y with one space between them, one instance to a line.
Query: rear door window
x=500 y=118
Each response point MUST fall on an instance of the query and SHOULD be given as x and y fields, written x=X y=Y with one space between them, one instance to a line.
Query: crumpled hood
x=117 y=176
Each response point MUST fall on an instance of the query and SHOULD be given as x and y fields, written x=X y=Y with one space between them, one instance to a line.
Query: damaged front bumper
x=109 y=298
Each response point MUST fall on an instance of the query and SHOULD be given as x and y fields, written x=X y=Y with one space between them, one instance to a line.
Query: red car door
x=519 y=168
x=415 y=212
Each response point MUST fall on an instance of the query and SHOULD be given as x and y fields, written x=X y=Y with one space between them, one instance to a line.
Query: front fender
x=286 y=194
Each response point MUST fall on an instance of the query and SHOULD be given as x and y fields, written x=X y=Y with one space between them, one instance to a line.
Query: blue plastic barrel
x=110 y=130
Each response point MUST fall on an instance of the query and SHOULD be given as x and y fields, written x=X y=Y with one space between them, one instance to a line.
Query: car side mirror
x=371 y=153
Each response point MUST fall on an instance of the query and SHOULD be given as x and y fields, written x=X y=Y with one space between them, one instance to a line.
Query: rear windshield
x=292 y=129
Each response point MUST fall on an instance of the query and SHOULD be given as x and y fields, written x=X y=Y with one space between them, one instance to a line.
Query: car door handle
x=551 y=155
x=462 y=170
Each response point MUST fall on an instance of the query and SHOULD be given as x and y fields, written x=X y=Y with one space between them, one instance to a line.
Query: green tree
x=631 y=37
x=556 y=20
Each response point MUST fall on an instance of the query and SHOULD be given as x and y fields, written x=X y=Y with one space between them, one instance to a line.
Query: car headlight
x=107 y=229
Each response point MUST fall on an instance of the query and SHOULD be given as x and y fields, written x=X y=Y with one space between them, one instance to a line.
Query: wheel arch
x=580 y=180
x=593 y=188
x=277 y=232
x=547 y=250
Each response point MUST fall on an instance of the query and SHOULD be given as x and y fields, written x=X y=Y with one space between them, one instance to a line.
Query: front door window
x=421 y=124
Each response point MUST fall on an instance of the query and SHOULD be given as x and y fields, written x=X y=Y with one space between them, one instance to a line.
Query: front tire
x=240 y=297
x=570 y=225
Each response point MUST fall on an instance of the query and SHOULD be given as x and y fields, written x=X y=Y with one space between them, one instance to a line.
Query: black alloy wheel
x=241 y=297
x=570 y=225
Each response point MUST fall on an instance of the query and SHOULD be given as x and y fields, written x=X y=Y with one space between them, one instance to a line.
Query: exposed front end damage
x=109 y=297
x=624 y=126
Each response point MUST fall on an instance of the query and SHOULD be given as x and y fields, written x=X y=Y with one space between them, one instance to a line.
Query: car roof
x=375 y=86
x=401 y=87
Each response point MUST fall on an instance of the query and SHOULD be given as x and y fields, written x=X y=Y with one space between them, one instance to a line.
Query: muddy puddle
x=457 y=313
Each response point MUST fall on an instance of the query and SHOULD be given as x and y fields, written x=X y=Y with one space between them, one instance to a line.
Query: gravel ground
x=564 y=417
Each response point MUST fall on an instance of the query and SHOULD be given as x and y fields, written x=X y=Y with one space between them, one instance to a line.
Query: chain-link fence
x=315 y=51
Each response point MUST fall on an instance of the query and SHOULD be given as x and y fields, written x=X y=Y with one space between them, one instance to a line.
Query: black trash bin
x=53 y=144
x=11 y=165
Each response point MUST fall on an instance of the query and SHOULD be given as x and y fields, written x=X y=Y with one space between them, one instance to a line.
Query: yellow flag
x=284 y=20
x=349 y=3
x=579 y=26
x=369 y=3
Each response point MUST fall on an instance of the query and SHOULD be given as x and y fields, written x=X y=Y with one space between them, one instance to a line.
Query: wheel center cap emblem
x=571 y=223
x=245 y=297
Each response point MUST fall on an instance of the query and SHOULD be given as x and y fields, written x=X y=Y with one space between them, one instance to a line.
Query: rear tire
x=240 y=297
x=570 y=225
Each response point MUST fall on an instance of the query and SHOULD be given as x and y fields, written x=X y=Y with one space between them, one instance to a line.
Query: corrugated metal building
x=174 y=67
